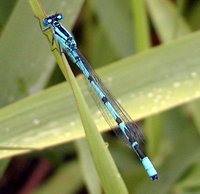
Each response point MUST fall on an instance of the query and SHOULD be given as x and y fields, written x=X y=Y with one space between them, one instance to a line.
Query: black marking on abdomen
x=77 y=58
x=104 y=99
x=90 y=78
x=118 y=120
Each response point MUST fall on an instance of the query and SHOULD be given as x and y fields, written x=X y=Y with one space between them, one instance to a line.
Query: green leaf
x=35 y=121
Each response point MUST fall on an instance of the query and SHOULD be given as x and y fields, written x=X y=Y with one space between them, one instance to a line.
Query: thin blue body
x=128 y=130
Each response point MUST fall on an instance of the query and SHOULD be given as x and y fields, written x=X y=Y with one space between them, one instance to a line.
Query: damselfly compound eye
x=46 y=21
x=59 y=16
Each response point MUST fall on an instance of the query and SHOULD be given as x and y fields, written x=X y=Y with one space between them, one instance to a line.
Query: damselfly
x=127 y=129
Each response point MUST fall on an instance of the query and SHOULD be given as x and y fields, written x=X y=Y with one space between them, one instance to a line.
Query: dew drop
x=156 y=100
x=36 y=121
x=72 y=123
x=150 y=94
x=67 y=133
x=159 y=89
x=176 y=84
x=194 y=74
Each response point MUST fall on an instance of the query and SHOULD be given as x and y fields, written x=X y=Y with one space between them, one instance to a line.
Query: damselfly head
x=52 y=18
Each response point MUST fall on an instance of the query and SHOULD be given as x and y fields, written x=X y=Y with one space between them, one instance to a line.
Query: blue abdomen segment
x=149 y=168
x=145 y=161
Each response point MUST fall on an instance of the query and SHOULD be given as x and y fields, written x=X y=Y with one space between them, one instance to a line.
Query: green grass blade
x=193 y=15
x=153 y=126
x=108 y=173
x=88 y=168
x=140 y=25
x=194 y=108
x=166 y=20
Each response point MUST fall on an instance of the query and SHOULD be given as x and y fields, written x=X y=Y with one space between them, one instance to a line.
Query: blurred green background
x=146 y=52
